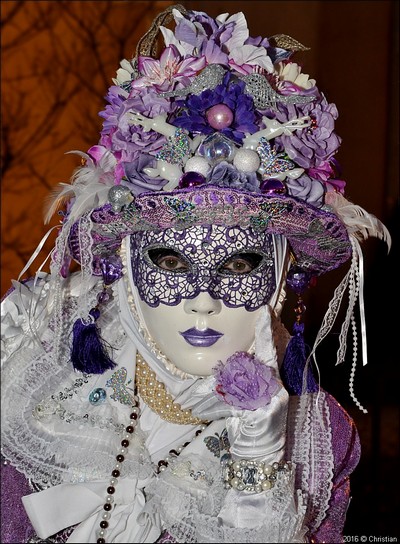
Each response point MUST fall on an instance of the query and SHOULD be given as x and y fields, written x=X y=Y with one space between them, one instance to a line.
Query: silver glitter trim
x=264 y=95
x=209 y=78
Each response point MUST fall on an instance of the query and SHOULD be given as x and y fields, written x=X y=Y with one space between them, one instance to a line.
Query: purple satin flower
x=136 y=180
x=168 y=71
x=130 y=140
x=312 y=146
x=309 y=190
x=327 y=172
x=226 y=175
x=194 y=118
x=245 y=382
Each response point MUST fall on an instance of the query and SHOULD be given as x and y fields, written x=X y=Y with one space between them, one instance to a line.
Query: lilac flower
x=309 y=190
x=327 y=172
x=224 y=40
x=245 y=382
x=194 y=118
x=136 y=180
x=171 y=69
x=226 y=175
x=312 y=146
x=131 y=140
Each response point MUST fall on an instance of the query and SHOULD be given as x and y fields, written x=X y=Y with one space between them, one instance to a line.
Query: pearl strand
x=120 y=457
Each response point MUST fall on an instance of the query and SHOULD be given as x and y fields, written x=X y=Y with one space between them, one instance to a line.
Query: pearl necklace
x=157 y=398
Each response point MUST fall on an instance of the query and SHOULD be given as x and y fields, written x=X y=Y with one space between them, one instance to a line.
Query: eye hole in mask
x=241 y=264
x=172 y=261
x=168 y=259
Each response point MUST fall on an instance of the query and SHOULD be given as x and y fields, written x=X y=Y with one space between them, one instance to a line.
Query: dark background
x=58 y=58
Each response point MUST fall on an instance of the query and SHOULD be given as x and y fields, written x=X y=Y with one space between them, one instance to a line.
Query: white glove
x=253 y=434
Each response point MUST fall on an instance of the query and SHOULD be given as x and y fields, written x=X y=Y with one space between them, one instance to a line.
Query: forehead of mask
x=234 y=265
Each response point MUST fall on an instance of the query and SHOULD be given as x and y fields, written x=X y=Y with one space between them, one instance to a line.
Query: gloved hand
x=258 y=434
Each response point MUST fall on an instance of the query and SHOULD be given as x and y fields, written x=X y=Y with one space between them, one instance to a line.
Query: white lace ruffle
x=309 y=434
x=50 y=431
x=194 y=514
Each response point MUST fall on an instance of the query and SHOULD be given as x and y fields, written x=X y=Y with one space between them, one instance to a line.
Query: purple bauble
x=191 y=179
x=298 y=279
x=219 y=117
x=273 y=186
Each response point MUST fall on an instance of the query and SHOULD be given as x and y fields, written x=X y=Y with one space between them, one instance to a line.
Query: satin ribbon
x=65 y=505
x=361 y=303
x=37 y=251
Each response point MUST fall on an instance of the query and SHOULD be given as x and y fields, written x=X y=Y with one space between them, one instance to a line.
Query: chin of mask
x=200 y=291
x=197 y=333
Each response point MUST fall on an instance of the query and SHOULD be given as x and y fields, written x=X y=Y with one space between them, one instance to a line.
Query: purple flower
x=139 y=182
x=124 y=139
x=309 y=190
x=327 y=172
x=245 y=382
x=226 y=175
x=312 y=146
x=168 y=71
x=194 y=116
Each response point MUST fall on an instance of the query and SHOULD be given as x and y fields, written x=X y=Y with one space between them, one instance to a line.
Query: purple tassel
x=88 y=353
x=294 y=363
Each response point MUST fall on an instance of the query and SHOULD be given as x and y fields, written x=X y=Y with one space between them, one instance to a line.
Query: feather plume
x=89 y=187
x=358 y=221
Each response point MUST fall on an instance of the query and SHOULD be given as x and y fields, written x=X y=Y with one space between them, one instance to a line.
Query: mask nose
x=203 y=305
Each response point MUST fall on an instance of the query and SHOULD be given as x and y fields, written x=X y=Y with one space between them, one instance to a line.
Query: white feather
x=358 y=221
x=89 y=187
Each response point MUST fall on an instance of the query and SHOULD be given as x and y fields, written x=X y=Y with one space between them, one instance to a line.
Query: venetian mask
x=200 y=290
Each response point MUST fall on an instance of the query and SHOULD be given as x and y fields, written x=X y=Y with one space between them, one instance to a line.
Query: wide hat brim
x=318 y=239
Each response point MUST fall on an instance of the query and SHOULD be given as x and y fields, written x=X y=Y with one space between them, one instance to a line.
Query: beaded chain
x=107 y=507
x=156 y=397
x=173 y=453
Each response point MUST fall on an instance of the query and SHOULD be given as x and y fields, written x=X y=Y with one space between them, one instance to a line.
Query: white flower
x=292 y=72
x=124 y=73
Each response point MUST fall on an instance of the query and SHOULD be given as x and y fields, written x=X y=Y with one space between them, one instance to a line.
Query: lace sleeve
x=346 y=451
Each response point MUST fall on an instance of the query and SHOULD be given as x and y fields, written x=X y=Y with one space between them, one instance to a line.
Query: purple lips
x=198 y=338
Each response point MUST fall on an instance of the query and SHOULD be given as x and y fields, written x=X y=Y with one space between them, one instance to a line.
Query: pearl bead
x=236 y=466
x=197 y=164
x=106 y=515
x=101 y=533
x=267 y=470
x=109 y=499
x=266 y=485
x=235 y=482
x=219 y=116
x=246 y=160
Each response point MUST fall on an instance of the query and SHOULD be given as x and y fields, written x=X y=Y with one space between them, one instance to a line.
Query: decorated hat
x=218 y=128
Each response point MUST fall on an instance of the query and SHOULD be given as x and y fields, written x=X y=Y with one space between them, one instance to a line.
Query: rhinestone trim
x=253 y=476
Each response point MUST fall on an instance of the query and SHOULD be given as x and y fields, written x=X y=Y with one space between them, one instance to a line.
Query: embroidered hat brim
x=318 y=239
